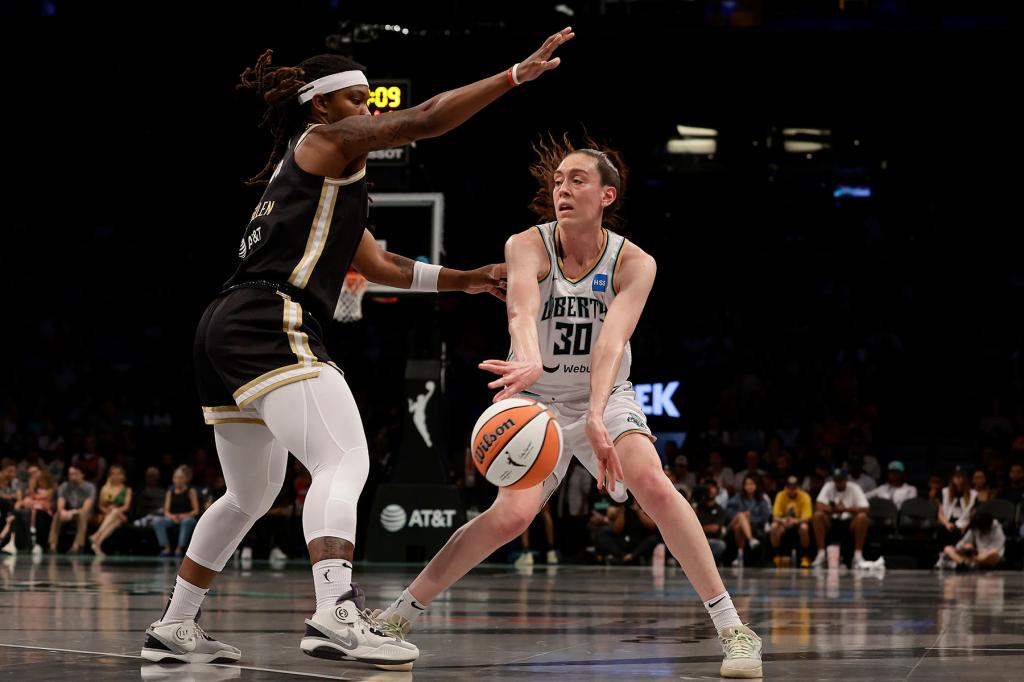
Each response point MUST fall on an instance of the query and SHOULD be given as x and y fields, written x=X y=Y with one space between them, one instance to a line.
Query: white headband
x=336 y=81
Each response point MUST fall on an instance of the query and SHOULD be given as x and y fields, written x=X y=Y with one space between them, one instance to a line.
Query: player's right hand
x=515 y=376
x=540 y=61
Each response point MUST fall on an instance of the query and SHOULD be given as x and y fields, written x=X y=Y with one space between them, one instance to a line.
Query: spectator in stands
x=841 y=502
x=1014 y=488
x=92 y=466
x=201 y=468
x=897 y=490
x=30 y=459
x=215 y=490
x=814 y=482
x=753 y=459
x=682 y=477
x=791 y=516
x=181 y=508
x=76 y=498
x=789 y=432
x=723 y=475
x=859 y=476
x=150 y=505
x=982 y=546
x=7 y=542
x=526 y=558
x=627 y=533
x=36 y=509
x=783 y=467
x=958 y=502
x=747 y=516
x=712 y=519
x=114 y=505
x=870 y=463
x=748 y=437
x=715 y=437
x=979 y=483
x=935 y=490
x=995 y=429
x=772 y=453
x=273 y=530
x=10 y=487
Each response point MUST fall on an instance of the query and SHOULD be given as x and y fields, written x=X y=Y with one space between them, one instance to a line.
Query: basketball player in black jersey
x=265 y=380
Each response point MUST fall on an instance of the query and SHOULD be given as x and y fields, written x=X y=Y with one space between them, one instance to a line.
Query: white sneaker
x=819 y=561
x=754 y=544
x=347 y=632
x=552 y=557
x=185 y=642
x=737 y=562
x=861 y=564
x=10 y=547
x=246 y=554
x=277 y=555
x=525 y=559
x=742 y=649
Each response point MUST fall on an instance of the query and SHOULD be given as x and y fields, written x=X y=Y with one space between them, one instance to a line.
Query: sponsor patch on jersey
x=600 y=283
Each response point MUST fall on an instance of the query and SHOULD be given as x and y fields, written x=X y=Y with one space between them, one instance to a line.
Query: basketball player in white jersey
x=575 y=293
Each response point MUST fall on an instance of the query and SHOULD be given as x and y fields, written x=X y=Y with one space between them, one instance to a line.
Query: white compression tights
x=318 y=421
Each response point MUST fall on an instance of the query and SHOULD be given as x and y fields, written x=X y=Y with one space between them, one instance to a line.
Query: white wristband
x=515 y=73
x=424 y=277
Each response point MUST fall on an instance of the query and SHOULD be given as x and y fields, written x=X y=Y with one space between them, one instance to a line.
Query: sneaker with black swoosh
x=347 y=632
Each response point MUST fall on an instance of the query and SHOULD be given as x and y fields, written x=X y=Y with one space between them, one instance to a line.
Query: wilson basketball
x=516 y=443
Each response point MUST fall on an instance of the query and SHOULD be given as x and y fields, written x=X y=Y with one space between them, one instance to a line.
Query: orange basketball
x=516 y=443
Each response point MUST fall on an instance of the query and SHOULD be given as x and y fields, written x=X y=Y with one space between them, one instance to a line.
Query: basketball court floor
x=79 y=619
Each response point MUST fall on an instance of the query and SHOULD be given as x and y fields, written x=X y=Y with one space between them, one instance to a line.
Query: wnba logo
x=488 y=439
x=393 y=518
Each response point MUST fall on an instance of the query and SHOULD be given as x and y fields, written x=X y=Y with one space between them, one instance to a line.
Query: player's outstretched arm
x=527 y=259
x=355 y=136
x=394 y=270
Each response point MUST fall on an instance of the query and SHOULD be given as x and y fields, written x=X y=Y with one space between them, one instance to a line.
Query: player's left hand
x=490 y=279
x=515 y=376
x=609 y=468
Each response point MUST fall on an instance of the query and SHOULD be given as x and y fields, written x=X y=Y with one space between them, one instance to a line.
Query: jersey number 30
x=575 y=338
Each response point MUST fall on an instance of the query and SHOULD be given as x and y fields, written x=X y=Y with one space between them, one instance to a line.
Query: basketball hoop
x=350 y=302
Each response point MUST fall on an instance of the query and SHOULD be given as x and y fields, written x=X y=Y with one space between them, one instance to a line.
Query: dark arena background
x=831 y=190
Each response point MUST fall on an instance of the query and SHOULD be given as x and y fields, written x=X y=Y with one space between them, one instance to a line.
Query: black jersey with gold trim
x=304 y=231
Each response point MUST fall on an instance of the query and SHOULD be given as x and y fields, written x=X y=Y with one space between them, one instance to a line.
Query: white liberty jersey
x=572 y=313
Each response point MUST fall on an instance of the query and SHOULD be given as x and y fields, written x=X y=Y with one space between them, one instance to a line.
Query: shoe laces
x=200 y=632
x=738 y=644
x=384 y=626
x=374 y=624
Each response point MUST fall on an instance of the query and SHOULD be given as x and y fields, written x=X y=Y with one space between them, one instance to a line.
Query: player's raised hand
x=540 y=61
x=515 y=376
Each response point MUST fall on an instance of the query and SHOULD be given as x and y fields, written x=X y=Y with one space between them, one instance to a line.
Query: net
x=350 y=302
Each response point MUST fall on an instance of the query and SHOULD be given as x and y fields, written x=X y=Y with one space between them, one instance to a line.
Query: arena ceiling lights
x=694 y=140
x=806 y=140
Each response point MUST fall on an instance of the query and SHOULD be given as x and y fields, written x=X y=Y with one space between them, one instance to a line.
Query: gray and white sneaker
x=742 y=649
x=347 y=632
x=185 y=642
